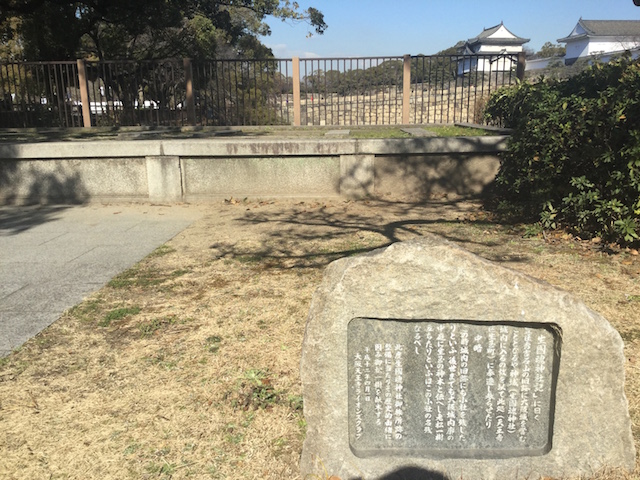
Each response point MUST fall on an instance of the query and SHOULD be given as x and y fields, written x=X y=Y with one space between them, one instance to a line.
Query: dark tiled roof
x=615 y=28
x=487 y=32
x=606 y=28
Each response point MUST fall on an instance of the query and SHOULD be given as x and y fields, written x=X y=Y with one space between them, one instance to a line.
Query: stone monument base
x=423 y=360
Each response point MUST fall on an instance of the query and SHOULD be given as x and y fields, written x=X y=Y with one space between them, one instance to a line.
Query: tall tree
x=549 y=50
x=144 y=29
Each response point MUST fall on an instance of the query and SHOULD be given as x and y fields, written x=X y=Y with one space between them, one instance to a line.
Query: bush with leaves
x=574 y=156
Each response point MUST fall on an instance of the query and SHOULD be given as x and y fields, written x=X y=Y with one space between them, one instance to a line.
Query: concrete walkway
x=53 y=257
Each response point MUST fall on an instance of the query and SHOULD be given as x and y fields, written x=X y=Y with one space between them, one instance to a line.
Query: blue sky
x=398 y=27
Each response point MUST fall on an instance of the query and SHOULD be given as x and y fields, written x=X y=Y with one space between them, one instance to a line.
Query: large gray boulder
x=423 y=360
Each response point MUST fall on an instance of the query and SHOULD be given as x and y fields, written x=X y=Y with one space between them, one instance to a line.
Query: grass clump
x=255 y=391
x=88 y=310
x=147 y=329
x=161 y=251
x=118 y=314
x=455 y=131
x=212 y=343
x=141 y=277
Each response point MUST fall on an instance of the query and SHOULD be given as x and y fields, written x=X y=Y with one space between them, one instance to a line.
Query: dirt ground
x=187 y=365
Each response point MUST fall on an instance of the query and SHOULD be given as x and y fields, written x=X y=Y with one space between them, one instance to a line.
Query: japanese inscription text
x=451 y=387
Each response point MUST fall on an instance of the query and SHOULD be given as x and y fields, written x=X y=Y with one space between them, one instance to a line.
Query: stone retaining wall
x=209 y=169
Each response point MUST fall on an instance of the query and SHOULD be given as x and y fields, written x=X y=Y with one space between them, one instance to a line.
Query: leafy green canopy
x=145 y=29
x=574 y=157
x=549 y=50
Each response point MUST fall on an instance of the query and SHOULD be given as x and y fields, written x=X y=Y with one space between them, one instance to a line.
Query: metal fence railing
x=351 y=91
x=39 y=94
x=241 y=92
x=331 y=91
x=455 y=88
x=136 y=93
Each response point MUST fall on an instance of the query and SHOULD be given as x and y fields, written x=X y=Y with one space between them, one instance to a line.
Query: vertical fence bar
x=262 y=100
x=406 y=88
x=296 y=91
x=469 y=75
x=326 y=91
x=415 y=92
x=217 y=70
x=453 y=72
x=84 y=93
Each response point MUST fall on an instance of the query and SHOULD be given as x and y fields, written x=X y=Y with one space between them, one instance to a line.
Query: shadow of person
x=411 y=473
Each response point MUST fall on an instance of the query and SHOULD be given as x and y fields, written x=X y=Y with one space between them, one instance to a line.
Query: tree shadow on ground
x=23 y=186
x=313 y=234
x=17 y=219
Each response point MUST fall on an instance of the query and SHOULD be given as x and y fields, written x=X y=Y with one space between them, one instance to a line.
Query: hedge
x=574 y=157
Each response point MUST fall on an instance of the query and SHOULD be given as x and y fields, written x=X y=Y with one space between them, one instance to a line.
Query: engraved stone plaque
x=451 y=388
x=422 y=360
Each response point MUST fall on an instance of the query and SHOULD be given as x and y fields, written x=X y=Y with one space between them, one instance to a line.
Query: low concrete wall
x=207 y=169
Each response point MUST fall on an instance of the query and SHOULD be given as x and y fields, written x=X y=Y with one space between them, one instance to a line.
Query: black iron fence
x=136 y=93
x=371 y=91
x=39 y=94
x=455 y=88
x=351 y=91
x=241 y=92
x=345 y=91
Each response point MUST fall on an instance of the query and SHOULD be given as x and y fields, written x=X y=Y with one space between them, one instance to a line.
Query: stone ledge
x=250 y=147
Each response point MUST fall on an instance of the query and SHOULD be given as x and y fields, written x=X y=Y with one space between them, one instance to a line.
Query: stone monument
x=423 y=360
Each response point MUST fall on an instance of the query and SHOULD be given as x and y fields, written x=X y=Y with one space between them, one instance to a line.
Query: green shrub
x=574 y=156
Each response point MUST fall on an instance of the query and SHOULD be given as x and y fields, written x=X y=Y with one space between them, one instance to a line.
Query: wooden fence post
x=406 y=89
x=84 y=93
x=191 y=104
x=296 y=91
x=522 y=63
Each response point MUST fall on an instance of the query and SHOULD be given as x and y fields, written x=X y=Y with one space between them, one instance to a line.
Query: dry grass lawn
x=186 y=365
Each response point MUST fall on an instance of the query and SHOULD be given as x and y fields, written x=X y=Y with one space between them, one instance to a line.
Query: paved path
x=53 y=257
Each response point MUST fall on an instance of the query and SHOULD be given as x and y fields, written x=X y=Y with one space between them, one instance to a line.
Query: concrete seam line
x=181 y=173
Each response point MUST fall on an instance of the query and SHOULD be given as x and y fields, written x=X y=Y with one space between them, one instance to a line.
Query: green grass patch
x=212 y=343
x=249 y=258
x=161 y=251
x=144 y=278
x=455 y=131
x=148 y=329
x=233 y=434
x=87 y=310
x=179 y=273
x=118 y=314
x=255 y=390
x=163 y=359
x=161 y=470
x=296 y=403
x=131 y=449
